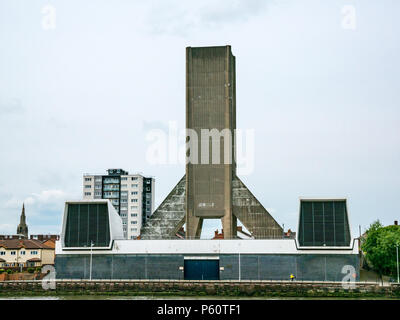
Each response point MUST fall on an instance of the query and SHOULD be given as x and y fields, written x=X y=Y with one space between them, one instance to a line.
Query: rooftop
x=23 y=243
x=88 y=174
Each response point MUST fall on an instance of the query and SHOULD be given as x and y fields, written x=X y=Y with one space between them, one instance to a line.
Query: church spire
x=23 y=218
x=22 y=227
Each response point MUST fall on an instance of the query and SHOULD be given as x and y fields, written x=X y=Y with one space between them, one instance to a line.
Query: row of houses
x=25 y=253
x=20 y=251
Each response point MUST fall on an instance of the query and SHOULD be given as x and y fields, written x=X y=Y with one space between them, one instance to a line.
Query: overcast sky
x=80 y=92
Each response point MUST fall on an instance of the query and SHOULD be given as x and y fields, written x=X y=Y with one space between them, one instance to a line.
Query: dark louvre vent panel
x=87 y=223
x=324 y=223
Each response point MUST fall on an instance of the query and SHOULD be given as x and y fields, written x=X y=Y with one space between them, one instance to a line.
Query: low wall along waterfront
x=199 y=288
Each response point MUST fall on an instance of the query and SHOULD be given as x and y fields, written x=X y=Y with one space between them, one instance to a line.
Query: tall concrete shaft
x=210 y=108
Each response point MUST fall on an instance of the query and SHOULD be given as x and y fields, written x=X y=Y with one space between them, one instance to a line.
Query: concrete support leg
x=229 y=224
x=193 y=227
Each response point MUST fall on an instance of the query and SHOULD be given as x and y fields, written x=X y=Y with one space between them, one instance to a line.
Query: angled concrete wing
x=252 y=214
x=170 y=215
x=165 y=222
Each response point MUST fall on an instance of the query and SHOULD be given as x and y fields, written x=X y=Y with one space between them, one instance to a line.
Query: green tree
x=379 y=248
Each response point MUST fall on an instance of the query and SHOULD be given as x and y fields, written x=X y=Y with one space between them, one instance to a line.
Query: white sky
x=324 y=101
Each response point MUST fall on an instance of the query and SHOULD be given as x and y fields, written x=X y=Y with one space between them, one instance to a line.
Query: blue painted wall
x=252 y=267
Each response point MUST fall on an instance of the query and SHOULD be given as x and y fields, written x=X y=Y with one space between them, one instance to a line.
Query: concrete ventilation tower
x=22 y=228
x=211 y=190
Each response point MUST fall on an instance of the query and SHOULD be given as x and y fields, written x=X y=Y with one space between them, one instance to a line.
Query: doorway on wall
x=201 y=269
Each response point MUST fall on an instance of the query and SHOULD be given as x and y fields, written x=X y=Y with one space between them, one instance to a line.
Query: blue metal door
x=201 y=270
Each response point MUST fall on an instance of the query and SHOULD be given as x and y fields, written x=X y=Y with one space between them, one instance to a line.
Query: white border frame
x=114 y=223
x=324 y=247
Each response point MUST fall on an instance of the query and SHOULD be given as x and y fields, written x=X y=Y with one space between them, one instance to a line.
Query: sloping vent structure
x=323 y=223
x=87 y=223
x=90 y=222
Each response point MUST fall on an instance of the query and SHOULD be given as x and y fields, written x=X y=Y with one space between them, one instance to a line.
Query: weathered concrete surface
x=252 y=214
x=210 y=105
x=170 y=215
x=165 y=222
x=210 y=191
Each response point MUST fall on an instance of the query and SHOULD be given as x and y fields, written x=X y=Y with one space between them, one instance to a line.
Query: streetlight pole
x=91 y=258
x=397 y=254
x=240 y=271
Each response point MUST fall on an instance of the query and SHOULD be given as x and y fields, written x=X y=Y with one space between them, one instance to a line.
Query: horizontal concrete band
x=264 y=246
